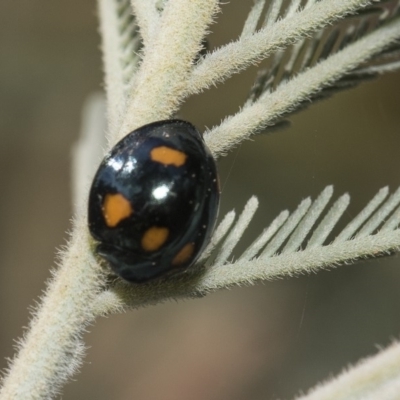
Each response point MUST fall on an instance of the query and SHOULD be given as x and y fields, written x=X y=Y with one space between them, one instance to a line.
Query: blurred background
x=265 y=342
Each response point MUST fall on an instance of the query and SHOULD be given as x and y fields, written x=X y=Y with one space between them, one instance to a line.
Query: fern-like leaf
x=281 y=27
x=290 y=231
x=292 y=244
x=311 y=51
x=318 y=80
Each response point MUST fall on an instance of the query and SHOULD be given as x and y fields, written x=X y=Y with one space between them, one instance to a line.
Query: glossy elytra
x=154 y=201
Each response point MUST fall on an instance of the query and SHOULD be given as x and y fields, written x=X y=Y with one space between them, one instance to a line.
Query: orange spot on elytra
x=167 y=156
x=154 y=238
x=116 y=208
x=183 y=254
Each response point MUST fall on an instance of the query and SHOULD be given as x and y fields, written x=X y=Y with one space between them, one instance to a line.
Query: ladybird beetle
x=154 y=201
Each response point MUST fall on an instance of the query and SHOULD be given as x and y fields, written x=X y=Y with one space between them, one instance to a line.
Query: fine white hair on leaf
x=218 y=235
x=327 y=224
x=310 y=50
x=252 y=19
x=78 y=280
x=265 y=236
x=293 y=8
x=380 y=69
x=380 y=215
x=237 y=231
x=286 y=229
x=353 y=225
x=393 y=221
x=273 y=12
x=308 y=221
x=387 y=390
x=147 y=18
x=310 y=3
x=366 y=380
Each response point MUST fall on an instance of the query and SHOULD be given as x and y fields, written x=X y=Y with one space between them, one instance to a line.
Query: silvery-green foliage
x=151 y=62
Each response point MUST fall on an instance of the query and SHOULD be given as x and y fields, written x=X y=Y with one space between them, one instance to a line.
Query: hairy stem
x=163 y=75
x=147 y=16
x=51 y=351
x=364 y=381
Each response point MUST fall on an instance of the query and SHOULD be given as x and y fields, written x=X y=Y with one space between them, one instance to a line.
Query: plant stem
x=287 y=96
x=52 y=350
x=164 y=73
x=236 y=56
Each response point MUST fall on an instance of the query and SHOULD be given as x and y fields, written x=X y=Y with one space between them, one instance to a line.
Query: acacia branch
x=51 y=351
x=287 y=96
x=236 y=56
x=163 y=76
